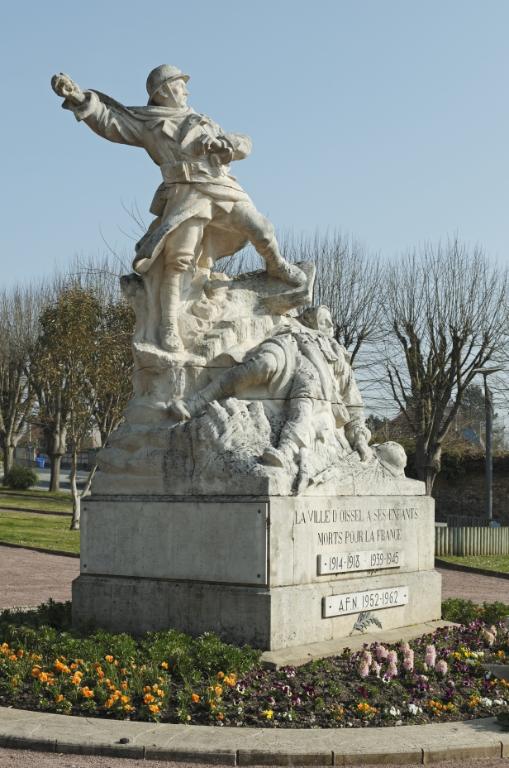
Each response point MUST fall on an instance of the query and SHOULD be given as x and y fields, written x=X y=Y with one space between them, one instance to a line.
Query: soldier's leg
x=246 y=219
x=256 y=371
x=179 y=256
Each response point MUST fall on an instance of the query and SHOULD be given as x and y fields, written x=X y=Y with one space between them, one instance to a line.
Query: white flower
x=394 y=711
x=414 y=709
x=486 y=702
x=498 y=702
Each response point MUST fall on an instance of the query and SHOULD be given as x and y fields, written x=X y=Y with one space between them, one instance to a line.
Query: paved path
x=30 y=578
x=473 y=586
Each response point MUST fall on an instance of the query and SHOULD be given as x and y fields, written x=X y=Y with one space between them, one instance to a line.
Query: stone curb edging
x=46 y=551
x=252 y=746
x=439 y=563
x=34 y=511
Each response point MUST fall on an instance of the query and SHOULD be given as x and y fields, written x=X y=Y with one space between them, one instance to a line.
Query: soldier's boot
x=284 y=457
x=277 y=266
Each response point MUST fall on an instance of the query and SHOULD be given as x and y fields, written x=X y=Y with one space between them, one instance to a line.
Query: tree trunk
x=76 y=498
x=427 y=463
x=54 y=483
x=8 y=454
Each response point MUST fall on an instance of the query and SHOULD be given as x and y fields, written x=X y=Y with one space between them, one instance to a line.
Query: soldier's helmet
x=161 y=75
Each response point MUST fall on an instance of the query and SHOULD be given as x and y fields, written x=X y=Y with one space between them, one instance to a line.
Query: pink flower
x=363 y=668
x=489 y=636
x=404 y=648
x=431 y=656
x=367 y=656
x=441 y=667
x=376 y=667
x=381 y=652
x=408 y=662
x=392 y=657
x=392 y=671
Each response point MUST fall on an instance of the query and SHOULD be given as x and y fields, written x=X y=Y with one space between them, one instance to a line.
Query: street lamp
x=488 y=404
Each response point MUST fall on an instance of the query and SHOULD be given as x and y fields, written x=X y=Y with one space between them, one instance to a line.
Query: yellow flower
x=124 y=699
x=195 y=698
x=76 y=678
x=154 y=708
x=86 y=692
x=60 y=667
x=59 y=698
x=43 y=677
x=160 y=692
x=218 y=690
x=36 y=671
x=4 y=648
x=109 y=659
x=164 y=664
x=220 y=675
x=268 y=714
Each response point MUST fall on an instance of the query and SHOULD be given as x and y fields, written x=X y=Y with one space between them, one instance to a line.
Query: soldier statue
x=201 y=211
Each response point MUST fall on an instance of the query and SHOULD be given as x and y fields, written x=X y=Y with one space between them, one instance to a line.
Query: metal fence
x=469 y=540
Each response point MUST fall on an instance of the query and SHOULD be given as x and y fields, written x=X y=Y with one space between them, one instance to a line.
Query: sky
x=387 y=120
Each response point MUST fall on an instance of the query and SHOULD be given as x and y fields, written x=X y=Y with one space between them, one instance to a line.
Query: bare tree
x=445 y=314
x=18 y=321
x=348 y=281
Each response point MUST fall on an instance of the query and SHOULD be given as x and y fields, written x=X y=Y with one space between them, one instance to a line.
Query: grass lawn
x=33 y=530
x=490 y=562
x=35 y=499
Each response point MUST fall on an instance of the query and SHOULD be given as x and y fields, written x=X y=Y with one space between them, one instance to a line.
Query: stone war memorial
x=240 y=495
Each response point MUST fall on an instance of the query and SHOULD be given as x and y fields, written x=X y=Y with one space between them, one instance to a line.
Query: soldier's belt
x=185 y=171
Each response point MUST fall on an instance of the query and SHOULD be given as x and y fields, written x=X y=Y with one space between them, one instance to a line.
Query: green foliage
x=465 y=611
x=20 y=478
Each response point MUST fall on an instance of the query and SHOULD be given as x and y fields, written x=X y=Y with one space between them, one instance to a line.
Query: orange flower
x=76 y=678
x=124 y=685
x=59 y=698
x=43 y=677
x=220 y=716
x=36 y=671
x=218 y=690
x=109 y=659
x=148 y=698
x=20 y=653
x=13 y=657
x=220 y=675
x=86 y=692
x=124 y=699
x=195 y=698
x=154 y=708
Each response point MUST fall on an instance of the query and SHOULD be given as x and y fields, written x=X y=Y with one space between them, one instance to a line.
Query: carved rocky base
x=273 y=572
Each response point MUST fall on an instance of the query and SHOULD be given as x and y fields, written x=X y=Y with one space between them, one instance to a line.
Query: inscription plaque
x=367 y=600
x=371 y=560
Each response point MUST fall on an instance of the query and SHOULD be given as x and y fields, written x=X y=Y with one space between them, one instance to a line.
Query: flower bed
x=170 y=677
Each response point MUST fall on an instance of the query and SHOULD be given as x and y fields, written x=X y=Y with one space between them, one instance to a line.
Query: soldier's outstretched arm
x=115 y=123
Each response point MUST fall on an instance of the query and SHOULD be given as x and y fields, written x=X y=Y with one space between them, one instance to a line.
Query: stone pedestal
x=273 y=572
